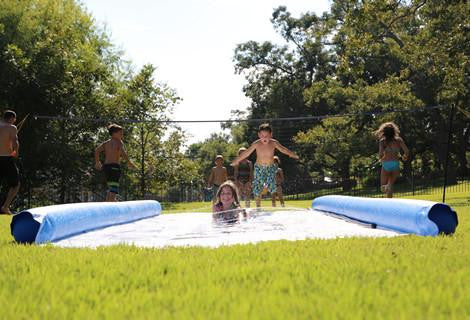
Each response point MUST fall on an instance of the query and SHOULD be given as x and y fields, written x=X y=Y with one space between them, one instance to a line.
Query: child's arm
x=126 y=157
x=251 y=171
x=245 y=154
x=15 y=143
x=381 y=150
x=235 y=173
x=405 y=149
x=284 y=150
x=98 y=151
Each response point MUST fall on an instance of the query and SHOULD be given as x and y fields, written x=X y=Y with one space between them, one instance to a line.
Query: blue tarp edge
x=403 y=215
x=61 y=221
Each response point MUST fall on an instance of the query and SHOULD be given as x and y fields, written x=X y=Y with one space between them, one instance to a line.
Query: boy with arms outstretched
x=265 y=168
x=113 y=150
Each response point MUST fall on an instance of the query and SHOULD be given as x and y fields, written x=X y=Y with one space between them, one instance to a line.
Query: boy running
x=265 y=168
x=113 y=150
x=9 y=149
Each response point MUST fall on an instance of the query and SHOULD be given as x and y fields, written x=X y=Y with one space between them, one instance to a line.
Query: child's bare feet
x=386 y=188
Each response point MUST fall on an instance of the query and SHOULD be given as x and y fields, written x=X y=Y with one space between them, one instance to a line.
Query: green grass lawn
x=408 y=277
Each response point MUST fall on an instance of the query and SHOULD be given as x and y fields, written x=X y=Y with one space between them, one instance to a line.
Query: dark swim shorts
x=112 y=172
x=9 y=171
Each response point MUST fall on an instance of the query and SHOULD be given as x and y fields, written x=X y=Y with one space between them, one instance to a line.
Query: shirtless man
x=9 y=149
x=218 y=176
x=265 y=168
x=113 y=150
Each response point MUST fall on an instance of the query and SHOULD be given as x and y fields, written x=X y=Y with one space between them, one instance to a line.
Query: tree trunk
x=346 y=176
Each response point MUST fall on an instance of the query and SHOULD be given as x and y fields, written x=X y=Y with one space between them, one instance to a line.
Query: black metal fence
x=295 y=188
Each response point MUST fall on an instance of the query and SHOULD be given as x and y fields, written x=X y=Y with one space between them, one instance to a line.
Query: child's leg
x=110 y=196
x=10 y=196
x=112 y=173
x=258 y=201
x=273 y=199
x=246 y=192
x=11 y=173
x=391 y=182
x=281 y=198
x=258 y=184
x=384 y=176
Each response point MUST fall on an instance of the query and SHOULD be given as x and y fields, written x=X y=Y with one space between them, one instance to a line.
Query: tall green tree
x=150 y=104
x=55 y=61
x=368 y=58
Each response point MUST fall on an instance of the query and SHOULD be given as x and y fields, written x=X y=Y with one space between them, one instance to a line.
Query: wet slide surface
x=198 y=229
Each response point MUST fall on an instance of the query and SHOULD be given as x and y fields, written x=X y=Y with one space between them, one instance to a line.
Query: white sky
x=192 y=42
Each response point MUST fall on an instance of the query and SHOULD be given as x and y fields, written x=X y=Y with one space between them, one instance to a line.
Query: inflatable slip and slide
x=421 y=217
x=53 y=223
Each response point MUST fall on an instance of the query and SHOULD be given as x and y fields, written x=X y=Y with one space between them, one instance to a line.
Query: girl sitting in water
x=227 y=206
x=390 y=146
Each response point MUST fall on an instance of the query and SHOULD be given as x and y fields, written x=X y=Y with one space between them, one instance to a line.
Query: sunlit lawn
x=408 y=277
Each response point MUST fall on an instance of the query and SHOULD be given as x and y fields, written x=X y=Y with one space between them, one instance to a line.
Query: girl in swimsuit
x=390 y=145
x=227 y=207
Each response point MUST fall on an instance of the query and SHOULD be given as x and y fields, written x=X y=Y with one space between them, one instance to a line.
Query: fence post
x=449 y=138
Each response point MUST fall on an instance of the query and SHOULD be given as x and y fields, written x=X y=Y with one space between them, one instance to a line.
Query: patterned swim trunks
x=112 y=172
x=265 y=177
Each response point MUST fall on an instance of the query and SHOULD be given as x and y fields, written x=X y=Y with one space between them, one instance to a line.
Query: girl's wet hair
x=387 y=131
x=234 y=189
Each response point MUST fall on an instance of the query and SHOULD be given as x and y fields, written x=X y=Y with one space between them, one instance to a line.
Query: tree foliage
x=55 y=61
x=373 y=59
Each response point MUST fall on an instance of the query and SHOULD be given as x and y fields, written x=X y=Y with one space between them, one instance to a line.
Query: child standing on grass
x=279 y=181
x=390 y=146
x=243 y=174
x=265 y=169
x=113 y=150
x=227 y=205
x=9 y=150
x=217 y=176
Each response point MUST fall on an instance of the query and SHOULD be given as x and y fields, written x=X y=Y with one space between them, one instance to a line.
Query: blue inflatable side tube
x=51 y=223
x=420 y=217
